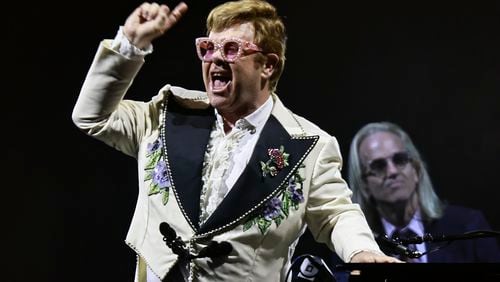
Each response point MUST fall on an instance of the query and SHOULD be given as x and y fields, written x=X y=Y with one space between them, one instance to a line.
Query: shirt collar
x=253 y=122
x=416 y=225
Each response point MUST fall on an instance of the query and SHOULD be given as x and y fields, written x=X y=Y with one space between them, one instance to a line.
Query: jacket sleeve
x=100 y=110
x=331 y=216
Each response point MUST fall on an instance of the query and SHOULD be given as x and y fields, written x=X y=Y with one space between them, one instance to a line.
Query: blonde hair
x=270 y=32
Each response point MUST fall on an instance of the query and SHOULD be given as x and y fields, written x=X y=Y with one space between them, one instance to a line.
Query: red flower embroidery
x=278 y=160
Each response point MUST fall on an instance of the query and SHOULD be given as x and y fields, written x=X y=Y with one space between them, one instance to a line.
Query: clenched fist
x=151 y=20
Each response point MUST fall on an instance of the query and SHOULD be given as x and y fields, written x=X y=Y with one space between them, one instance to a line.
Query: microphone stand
x=449 y=238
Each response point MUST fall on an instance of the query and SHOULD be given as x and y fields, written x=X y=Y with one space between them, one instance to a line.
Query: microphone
x=398 y=248
x=212 y=250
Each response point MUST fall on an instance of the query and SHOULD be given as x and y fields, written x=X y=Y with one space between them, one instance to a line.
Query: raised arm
x=151 y=20
x=100 y=110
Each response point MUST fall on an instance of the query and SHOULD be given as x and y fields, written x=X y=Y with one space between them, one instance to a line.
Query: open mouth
x=220 y=81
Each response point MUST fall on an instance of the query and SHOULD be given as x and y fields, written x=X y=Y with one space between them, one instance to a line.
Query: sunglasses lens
x=231 y=50
x=378 y=166
x=400 y=159
x=206 y=49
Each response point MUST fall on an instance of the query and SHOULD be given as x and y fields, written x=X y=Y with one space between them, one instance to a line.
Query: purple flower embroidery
x=296 y=193
x=297 y=196
x=157 y=171
x=160 y=175
x=272 y=209
x=152 y=147
x=278 y=208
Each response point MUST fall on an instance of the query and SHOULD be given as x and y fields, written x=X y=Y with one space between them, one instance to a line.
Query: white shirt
x=228 y=154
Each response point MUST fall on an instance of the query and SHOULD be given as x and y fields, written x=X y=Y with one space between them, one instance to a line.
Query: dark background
x=433 y=69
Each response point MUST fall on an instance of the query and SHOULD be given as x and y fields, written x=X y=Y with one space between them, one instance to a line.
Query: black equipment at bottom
x=404 y=272
x=309 y=268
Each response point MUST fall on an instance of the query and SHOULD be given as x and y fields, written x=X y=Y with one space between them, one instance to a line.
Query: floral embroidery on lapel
x=156 y=171
x=277 y=161
x=278 y=207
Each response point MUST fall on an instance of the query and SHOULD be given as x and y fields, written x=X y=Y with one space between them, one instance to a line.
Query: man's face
x=235 y=87
x=395 y=180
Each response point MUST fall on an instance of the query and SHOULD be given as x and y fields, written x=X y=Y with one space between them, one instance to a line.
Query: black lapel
x=187 y=133
x=251 y=190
